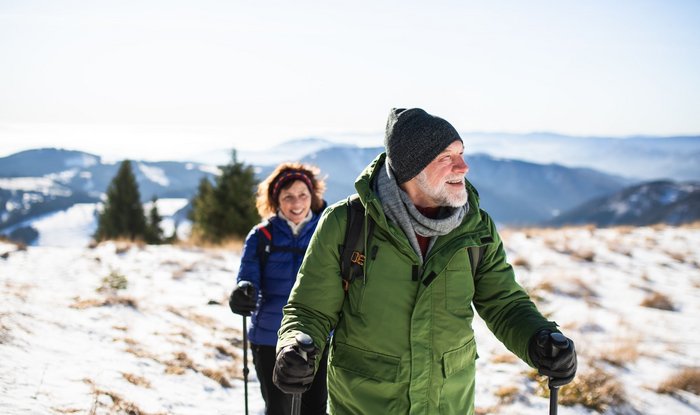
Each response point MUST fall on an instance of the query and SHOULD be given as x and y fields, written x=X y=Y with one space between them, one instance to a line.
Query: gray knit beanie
x=413 y=139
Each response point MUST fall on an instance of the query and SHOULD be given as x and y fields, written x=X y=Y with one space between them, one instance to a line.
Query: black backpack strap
x=475 y=255
x=266 y=247
x=352 y=255
x=264 y=232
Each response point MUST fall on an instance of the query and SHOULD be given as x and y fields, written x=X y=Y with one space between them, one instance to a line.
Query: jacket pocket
x=368 y=364
x=459 y=284
x=459 y=359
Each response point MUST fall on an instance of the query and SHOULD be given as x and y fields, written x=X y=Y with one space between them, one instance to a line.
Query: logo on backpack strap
x=358 y=258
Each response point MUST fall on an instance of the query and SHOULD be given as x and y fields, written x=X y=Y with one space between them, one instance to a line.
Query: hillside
x=145 y=329
x=40 y=182
x=642 y=204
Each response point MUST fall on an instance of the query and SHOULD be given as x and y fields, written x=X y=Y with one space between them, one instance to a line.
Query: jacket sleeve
x=250 y=263
x=317 y=297
x=503 y=304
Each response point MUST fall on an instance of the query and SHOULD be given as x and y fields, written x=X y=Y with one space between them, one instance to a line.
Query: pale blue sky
x=118 y=77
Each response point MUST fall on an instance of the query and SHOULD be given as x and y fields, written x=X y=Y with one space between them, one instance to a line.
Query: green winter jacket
x=403 y=340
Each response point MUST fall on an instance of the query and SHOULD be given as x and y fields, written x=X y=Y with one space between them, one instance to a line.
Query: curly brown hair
x=268 y=204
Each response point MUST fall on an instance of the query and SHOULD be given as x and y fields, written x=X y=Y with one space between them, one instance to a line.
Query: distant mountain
x=36 y=182
x=570 y=172
x=40 y=162
x=639 y=157
x=643 y=204
x=648 y=158
x=518 y=192
x=513 y=192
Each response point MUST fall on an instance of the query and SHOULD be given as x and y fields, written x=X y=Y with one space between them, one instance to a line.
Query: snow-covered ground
x=74 y=227
x=161 y=340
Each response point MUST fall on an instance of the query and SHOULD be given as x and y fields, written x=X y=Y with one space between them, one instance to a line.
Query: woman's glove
x=243 y=299
x=553 y=355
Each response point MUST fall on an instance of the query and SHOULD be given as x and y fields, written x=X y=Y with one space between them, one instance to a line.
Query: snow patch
x=44 y=185
x=83 y=161
x=72 y=227
x=154 y=174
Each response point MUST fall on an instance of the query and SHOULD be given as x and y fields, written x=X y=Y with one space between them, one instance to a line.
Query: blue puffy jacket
x=280 y=273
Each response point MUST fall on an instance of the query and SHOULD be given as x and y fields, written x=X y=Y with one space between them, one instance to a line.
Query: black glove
x=243 y=299
x=553 y=355
x=293 y=373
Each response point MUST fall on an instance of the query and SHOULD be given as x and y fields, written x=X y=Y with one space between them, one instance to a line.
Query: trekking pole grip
x=559 y=342
x=306 y=345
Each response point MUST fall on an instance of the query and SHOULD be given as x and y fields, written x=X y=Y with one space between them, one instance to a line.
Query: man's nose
x=460 y=166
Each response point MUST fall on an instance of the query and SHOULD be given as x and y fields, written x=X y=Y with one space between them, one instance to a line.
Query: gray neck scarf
x=399 y=209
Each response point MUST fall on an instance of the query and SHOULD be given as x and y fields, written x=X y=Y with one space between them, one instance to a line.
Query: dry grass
x=226 y=351
x=620 y=248
x=21 y=291
x=124 y=245
x=485 y=410
x=687 y=379
x=67 y=410
x=121 y=245
x=595 y=389
x=574 y=287
x=507 y=394
x=113 y=282
x=234 y=245
x=142 y=353
x=658 y=301
x=184 y=270
x=137 y=380
x=681 y=257
x=586 y=255
x=622 y=353
x=19 y=246
x=218 y=376
x=4 y=329
x=112 y=300
x=118 y=405
x=504 y=358
x=202 y=320
x=182 y=362
x=521 y=262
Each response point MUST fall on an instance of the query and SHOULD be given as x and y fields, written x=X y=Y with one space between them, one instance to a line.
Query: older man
x=403 y=340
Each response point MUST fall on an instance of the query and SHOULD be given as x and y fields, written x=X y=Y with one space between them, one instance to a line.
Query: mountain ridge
x=513 y=191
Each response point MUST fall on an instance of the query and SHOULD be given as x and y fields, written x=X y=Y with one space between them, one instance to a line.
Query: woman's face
x=295 y=201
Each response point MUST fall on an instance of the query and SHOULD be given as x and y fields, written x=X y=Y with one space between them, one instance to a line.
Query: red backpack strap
x=264 y=231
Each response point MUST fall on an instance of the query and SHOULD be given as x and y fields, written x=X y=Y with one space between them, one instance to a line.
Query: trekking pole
x=559 y=342
x=245 y=363
x=247 y=287
x=306 y=345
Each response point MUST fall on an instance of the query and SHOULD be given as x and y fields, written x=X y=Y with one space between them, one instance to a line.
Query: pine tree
x=203 y=208
x=154 y=234
x=122 y=216
x=226 y=209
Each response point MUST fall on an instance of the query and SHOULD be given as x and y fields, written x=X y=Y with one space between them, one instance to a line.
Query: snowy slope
x=75 y=226
x=161 y=343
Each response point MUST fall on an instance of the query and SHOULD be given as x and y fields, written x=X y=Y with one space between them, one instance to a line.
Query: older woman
x=291 y=200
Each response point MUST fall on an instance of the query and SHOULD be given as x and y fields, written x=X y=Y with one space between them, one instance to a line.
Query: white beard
x=441 y=194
